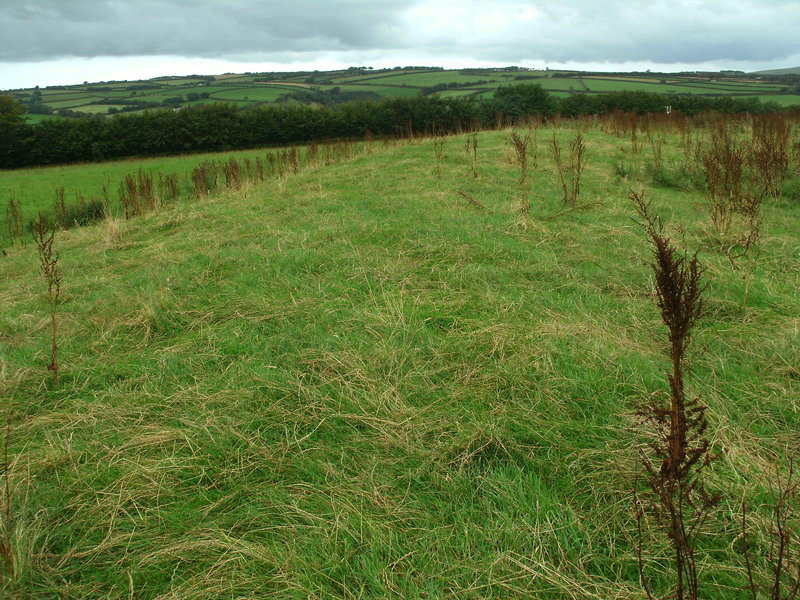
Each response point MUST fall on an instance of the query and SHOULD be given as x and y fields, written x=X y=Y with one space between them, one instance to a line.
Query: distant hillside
x=790 y=71
x=110 y=98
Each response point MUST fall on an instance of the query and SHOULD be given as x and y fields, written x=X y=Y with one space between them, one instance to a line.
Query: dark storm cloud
x=45 y=29
x=613 y=31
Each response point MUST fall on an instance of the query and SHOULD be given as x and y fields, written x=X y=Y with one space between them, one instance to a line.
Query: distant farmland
x=254 y=89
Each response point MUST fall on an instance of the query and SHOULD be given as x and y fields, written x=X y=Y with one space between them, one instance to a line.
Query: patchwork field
x=372 y=376
x=253 y=89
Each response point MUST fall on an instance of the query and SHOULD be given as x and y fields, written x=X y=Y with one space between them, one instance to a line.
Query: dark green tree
x=12 y=130
x=522 y=100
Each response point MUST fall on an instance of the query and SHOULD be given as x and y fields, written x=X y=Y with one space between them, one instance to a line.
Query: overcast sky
x=46 y=42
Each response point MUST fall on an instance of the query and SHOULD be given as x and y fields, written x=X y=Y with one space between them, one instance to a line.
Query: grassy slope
x=351 y=384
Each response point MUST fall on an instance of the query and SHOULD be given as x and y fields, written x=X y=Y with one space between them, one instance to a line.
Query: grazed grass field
x=353 y=383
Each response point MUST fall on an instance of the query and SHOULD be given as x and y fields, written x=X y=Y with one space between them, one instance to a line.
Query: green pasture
x=74 y=102
x=355 y=382
x=255 y=94
x=462 y=92
x=433 y=78
x=39 y=118
x=403 y=83
x=782 y=99
x=370 y=76
x=95 y=109
x=35 y=188
x=175 y=82
x=383 y=90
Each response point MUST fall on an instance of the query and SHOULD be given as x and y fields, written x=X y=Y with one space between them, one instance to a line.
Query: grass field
x=383 y=90
x=35 y=188
x=429 y=79
x=94 y=109
x=352 y=382
x=783 y=100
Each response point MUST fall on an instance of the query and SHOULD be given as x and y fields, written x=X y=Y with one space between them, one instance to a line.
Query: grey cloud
x=45 y=29
x=624 y=30
x=659 y=31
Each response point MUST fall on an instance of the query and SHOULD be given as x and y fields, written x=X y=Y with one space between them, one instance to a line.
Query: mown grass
x=349 y=383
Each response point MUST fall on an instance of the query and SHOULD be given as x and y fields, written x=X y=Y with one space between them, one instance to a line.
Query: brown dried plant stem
x=44 y=236
x=577 y=162
x=14 y=220
x=555 y=150
x=678 y=501
x=520 y=145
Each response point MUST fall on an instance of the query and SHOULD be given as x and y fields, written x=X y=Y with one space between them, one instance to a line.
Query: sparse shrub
x=83 y=212
x=168 y=188
x=260 y=171
x=147 y=194
x=312 y=152
x=293 y=159
x=204 y=178
x=555 y=152
x=724 y=162
x=232 y=171
x=520 y=146
x=60 y=208
x=571 y=187
x=44 y=236
x=14 y=220
x=770 y=151
x=656 y=144
x=577 y=164
x=137 y=194
x=679 y=449
x=128 y=196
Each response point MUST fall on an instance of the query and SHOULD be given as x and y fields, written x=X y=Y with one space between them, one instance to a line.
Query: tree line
x=221 y=126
